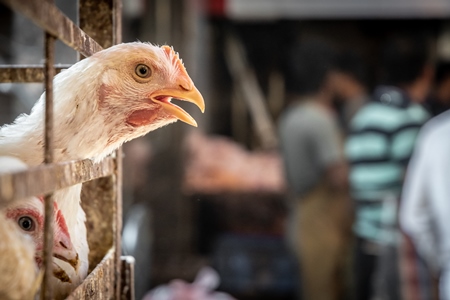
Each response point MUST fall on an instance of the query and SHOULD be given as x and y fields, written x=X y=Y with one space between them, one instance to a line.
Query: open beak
x=190 y=94
x=182 y=88
x=65 y=251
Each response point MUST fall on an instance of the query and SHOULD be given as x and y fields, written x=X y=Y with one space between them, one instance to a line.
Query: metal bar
x=116 y=39
x=44 y=179
x=26 y=73
x=118 y=224
x=47 y=289
x=47 y=16
x=49 y=74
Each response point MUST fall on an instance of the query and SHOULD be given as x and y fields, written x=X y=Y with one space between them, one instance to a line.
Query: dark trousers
x=364 y=263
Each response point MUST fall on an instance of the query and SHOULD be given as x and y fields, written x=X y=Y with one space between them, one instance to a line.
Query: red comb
x=171 y=54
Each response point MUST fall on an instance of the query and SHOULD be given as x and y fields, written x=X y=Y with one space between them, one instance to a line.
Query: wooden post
x=101 y=19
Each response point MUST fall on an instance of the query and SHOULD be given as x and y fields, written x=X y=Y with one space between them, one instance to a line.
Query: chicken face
x=140 y=80
x=29 y=216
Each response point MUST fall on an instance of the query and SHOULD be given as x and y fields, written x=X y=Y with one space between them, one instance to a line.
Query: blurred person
x=349 y=80
x=439 y=100
x=381 y=140
x=426 y=199
x=315 y=171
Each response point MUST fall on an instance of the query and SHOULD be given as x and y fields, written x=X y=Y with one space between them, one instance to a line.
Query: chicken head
x=29 y=216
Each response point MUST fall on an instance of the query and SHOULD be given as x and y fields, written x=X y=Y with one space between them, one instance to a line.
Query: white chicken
x=114 y=96
x=21 y=243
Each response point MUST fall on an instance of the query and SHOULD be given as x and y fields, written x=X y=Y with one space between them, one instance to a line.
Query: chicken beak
x=182 y=88
x=192 y=96
x=59 y=273
x=64 y=250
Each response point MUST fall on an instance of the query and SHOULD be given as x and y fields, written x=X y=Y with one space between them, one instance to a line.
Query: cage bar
x=47 y=291
x=26 y=73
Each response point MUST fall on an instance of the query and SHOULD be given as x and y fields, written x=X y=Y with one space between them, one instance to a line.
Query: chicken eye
x=26 y=223
x=143 y=71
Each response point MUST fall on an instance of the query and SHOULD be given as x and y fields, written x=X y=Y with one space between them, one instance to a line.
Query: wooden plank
x=96 y=19
x=118 y=223
x=44 y=179
x=48 y=17
x=127 y=288
x=25 y=73
x=97 y=201
x=100 y=283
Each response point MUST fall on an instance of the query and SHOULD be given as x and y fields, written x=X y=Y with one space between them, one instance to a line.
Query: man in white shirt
x=425 y=206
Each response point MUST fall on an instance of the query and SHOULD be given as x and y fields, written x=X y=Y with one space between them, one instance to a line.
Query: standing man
x=380 y=143
x=426 y=199
x=315 y=170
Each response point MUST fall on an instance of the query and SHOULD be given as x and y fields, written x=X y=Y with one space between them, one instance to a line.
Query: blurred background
x=216 y=195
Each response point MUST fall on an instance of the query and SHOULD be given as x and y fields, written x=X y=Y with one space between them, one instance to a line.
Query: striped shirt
x=378 y=148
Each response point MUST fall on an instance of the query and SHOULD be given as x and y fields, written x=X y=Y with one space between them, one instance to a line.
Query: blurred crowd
x=368 y=169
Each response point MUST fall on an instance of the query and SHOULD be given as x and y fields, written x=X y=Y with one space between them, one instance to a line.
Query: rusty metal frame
x=25 y=73
x=100 y=27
